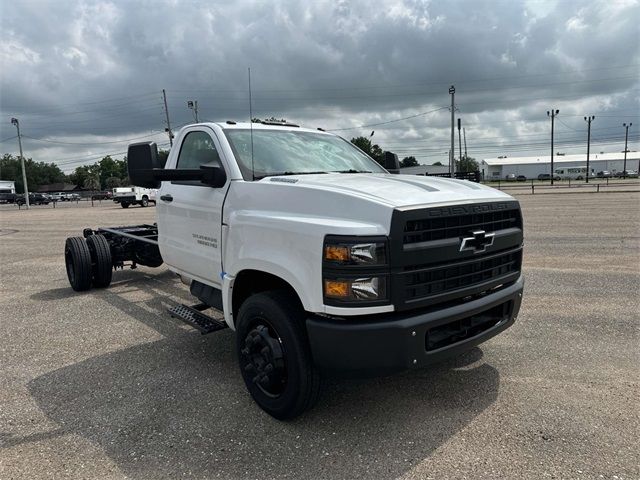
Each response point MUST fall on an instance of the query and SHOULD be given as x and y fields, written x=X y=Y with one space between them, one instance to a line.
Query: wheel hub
x=264 y=361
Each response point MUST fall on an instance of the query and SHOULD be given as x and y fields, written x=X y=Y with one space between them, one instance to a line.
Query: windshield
x=286 y=152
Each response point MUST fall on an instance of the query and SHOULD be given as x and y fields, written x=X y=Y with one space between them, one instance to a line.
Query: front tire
x=124 y=205
x=274 y=354
x=144 y=202
x=77 y=259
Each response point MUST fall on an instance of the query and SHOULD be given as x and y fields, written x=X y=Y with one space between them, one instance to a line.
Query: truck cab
x=323 y=262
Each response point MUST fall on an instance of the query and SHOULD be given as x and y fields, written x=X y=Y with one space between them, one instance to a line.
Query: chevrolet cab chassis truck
x=321 y=261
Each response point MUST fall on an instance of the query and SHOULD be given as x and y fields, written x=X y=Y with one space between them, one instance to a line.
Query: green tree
x=92 y=182
x=112 y=182
x=373 y=150
x=80 y=174
x=408 y=162
x=162 y=157
x=38 y=173
x=468 y=164
x=108 y=167
x=438 y=164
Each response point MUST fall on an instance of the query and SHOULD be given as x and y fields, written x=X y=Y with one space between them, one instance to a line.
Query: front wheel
x=124 y=205
x=144 y=202
x=274 y=354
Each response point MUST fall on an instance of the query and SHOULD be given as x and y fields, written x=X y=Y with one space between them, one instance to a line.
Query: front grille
x=441 y=279
x=426 y=230
x=428 y=266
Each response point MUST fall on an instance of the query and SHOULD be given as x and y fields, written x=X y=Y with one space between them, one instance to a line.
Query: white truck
x=126 y=196
x=321 y=261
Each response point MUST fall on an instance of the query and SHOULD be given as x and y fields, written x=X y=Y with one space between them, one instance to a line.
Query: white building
x=7 y=186
x=531 y=167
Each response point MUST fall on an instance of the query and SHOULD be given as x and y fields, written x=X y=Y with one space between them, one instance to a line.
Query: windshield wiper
x=352 y=171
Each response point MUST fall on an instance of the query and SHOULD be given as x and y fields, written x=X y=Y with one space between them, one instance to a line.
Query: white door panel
x=190 y=217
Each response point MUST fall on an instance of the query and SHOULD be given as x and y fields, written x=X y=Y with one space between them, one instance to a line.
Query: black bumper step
x=194 y=317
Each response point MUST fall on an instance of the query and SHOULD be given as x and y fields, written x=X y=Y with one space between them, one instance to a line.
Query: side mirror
x=390 y=162
x=142 y=158
x=213 y=175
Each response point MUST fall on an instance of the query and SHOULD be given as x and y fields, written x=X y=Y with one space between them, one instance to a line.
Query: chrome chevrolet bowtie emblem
x=477 y=242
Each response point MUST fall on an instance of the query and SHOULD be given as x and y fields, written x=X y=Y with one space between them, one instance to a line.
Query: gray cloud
x=92 y=71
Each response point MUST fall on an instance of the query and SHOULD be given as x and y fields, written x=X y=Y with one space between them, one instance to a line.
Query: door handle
x=166 y=198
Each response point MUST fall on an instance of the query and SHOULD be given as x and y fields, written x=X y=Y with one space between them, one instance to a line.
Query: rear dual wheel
x=88 y=262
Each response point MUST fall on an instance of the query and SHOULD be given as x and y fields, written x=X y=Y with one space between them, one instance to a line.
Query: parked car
x=34 y=199
x=626 y=174
x=521 y=178
x=604 y=174
x=7 y=197
x=510 y=177
x=547 y=176
x=102 y=196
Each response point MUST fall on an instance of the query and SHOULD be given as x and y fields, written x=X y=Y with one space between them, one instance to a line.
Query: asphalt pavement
x=106 y=385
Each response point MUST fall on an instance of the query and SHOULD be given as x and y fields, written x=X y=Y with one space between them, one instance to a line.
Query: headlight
x=343 y=253
x=356 y=289
x=355 y=271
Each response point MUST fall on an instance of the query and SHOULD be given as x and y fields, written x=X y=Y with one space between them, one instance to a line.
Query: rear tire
x=274 y=354
x=101 y=259
x=77 y=259
x=124 y=205
x=144 y=202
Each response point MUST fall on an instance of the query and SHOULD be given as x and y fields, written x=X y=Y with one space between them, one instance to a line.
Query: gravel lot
x=106 y=385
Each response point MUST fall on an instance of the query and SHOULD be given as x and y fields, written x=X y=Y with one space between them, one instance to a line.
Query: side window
x=197 y=149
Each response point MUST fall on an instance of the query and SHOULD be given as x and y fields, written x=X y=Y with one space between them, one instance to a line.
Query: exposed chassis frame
x=137 y=244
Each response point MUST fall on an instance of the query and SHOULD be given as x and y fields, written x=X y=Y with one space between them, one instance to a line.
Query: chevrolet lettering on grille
x=477 y=242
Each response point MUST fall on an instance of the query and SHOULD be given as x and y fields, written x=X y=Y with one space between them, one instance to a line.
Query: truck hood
x=394 y=190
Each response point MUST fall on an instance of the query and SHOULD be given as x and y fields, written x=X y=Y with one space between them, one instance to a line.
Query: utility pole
x=588 y=120
x=193 y=105
x=460 y=142
x=166 y=112
x=464 y=135
x=452 y=166
x=552 y=114
x=15 y=122
x=626 y=137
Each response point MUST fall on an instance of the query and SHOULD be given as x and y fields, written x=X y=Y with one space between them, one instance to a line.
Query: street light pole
x=460 y=143
x=193 y=105
x=588 y=120
x=452 y=167
x=552 y=114
x=626 y=137
x=15 y=122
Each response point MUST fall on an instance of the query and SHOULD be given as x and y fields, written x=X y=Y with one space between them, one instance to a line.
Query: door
x=190 y=213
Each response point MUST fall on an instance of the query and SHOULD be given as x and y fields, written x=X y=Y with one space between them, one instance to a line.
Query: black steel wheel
x=145 y=201
x=274 y=355
x=77 y=259
x=102 y=266
x=124 y=205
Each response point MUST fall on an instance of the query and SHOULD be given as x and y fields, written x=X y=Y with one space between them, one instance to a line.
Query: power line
x=387 y=122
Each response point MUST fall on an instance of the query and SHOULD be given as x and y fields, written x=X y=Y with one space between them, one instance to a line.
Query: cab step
x=194 y=317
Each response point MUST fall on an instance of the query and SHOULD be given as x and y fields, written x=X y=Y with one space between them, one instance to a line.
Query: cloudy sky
x=85 y=77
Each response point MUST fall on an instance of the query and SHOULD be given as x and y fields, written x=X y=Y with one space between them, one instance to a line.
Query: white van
x=574 y=173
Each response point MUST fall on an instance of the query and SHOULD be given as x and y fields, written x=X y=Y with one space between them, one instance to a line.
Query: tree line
x=104 y=174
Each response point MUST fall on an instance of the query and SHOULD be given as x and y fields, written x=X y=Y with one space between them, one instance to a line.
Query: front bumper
x=395 y=342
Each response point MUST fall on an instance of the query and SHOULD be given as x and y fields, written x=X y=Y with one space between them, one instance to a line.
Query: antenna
x=253 y=171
